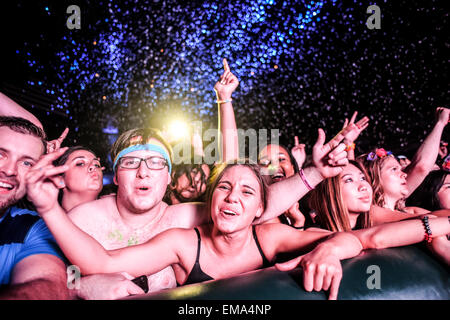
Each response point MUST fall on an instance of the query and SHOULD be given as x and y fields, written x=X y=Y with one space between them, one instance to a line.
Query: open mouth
x=6 y=186
x=143 y=188
x=278 y=176
x=229 y=212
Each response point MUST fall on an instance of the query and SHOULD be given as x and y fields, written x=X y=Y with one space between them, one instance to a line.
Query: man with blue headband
x=142 y=170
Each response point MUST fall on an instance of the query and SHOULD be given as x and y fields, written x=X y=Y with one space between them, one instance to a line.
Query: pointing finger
x=63 y=135
x=352 y=120
x=226 y=67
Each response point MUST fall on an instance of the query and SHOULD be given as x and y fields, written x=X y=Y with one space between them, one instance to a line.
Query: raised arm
x=328 y=161
x=227 y=124
x=425 y=157
x=353 y=130
x=10 y=108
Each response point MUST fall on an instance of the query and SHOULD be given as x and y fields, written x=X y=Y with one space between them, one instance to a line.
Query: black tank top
x=197 y=274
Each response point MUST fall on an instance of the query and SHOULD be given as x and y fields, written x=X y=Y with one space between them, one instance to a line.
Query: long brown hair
x=326 y=199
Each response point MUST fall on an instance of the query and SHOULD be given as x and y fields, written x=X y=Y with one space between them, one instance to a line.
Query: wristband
x=350 y=147
x=428 y=232
x=302 y=176
x=224 y=101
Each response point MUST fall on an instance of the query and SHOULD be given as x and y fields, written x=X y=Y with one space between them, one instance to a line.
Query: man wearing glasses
x=142 y=171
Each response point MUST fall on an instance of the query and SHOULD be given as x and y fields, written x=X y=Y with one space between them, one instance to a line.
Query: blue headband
x=139 y=147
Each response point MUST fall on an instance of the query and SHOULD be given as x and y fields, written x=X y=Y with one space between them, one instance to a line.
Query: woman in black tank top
x=230 y=245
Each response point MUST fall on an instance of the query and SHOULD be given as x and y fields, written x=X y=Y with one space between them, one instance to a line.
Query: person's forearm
x=425 y=158
x=402 y=233
x=441 y=248
x=228 y=132
x=11 y=108
x=282 y=195
x=343 y=245
x=39 y=289
x=81 y=249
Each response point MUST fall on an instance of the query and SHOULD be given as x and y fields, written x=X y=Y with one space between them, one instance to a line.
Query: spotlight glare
x=178 y=130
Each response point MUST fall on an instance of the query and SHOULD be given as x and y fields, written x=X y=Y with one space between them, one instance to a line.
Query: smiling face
x=140 y=190
x=85 y=172
x=236 y=200
x=18 y=153
x=355 y=189
x=275 y=161
x=393 y=179
x=444 y=193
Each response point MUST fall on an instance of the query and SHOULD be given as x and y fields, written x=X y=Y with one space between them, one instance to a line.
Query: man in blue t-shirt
x=31 y=265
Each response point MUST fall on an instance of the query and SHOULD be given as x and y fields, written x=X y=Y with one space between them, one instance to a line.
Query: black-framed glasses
x=154 y=163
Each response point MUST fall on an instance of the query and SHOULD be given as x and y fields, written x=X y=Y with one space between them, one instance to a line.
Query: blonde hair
x=138 y=136
x=373 y=168
x=326 y=199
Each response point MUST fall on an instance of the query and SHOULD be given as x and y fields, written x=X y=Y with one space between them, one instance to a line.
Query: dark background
x=138 y=63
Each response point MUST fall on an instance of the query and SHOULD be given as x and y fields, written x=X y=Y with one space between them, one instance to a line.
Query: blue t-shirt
x=22 y=234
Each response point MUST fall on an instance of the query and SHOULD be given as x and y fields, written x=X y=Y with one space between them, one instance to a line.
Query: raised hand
x=43 y=182
x=443 y=115
x=329 y=158
x=54 y=145
x=227 y=84
x=298 y=152
x=352 y=129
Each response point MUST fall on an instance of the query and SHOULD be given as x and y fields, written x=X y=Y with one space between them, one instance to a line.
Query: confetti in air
x=301 y=65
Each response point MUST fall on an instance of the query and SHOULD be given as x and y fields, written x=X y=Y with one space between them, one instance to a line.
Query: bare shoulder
x=272 y=227
x=96 y=210
x=178 y=233
x=272 y=233
x=187 y=215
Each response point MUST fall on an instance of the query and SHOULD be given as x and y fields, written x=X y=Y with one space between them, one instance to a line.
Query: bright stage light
x=178 y=130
